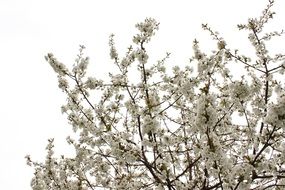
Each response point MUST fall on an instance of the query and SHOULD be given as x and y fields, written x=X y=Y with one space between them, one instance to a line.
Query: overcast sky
x=30 y=100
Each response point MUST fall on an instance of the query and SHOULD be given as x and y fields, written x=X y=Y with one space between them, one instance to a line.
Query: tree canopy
x=173 y=128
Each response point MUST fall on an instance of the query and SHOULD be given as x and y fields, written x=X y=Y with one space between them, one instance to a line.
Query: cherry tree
x=173 y=128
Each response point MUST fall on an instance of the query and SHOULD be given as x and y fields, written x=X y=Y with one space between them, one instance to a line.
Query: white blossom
x=173 y=128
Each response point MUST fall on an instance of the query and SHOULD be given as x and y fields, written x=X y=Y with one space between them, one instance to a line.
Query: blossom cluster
x=173 y=130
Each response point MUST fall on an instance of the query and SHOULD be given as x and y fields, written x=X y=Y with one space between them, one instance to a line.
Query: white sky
x=30 y=100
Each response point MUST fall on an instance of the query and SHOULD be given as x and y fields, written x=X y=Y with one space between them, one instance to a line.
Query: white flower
x=141 y=56
x=58 y=67
x=62 y=83
x=239 y=90
x=276 y=113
